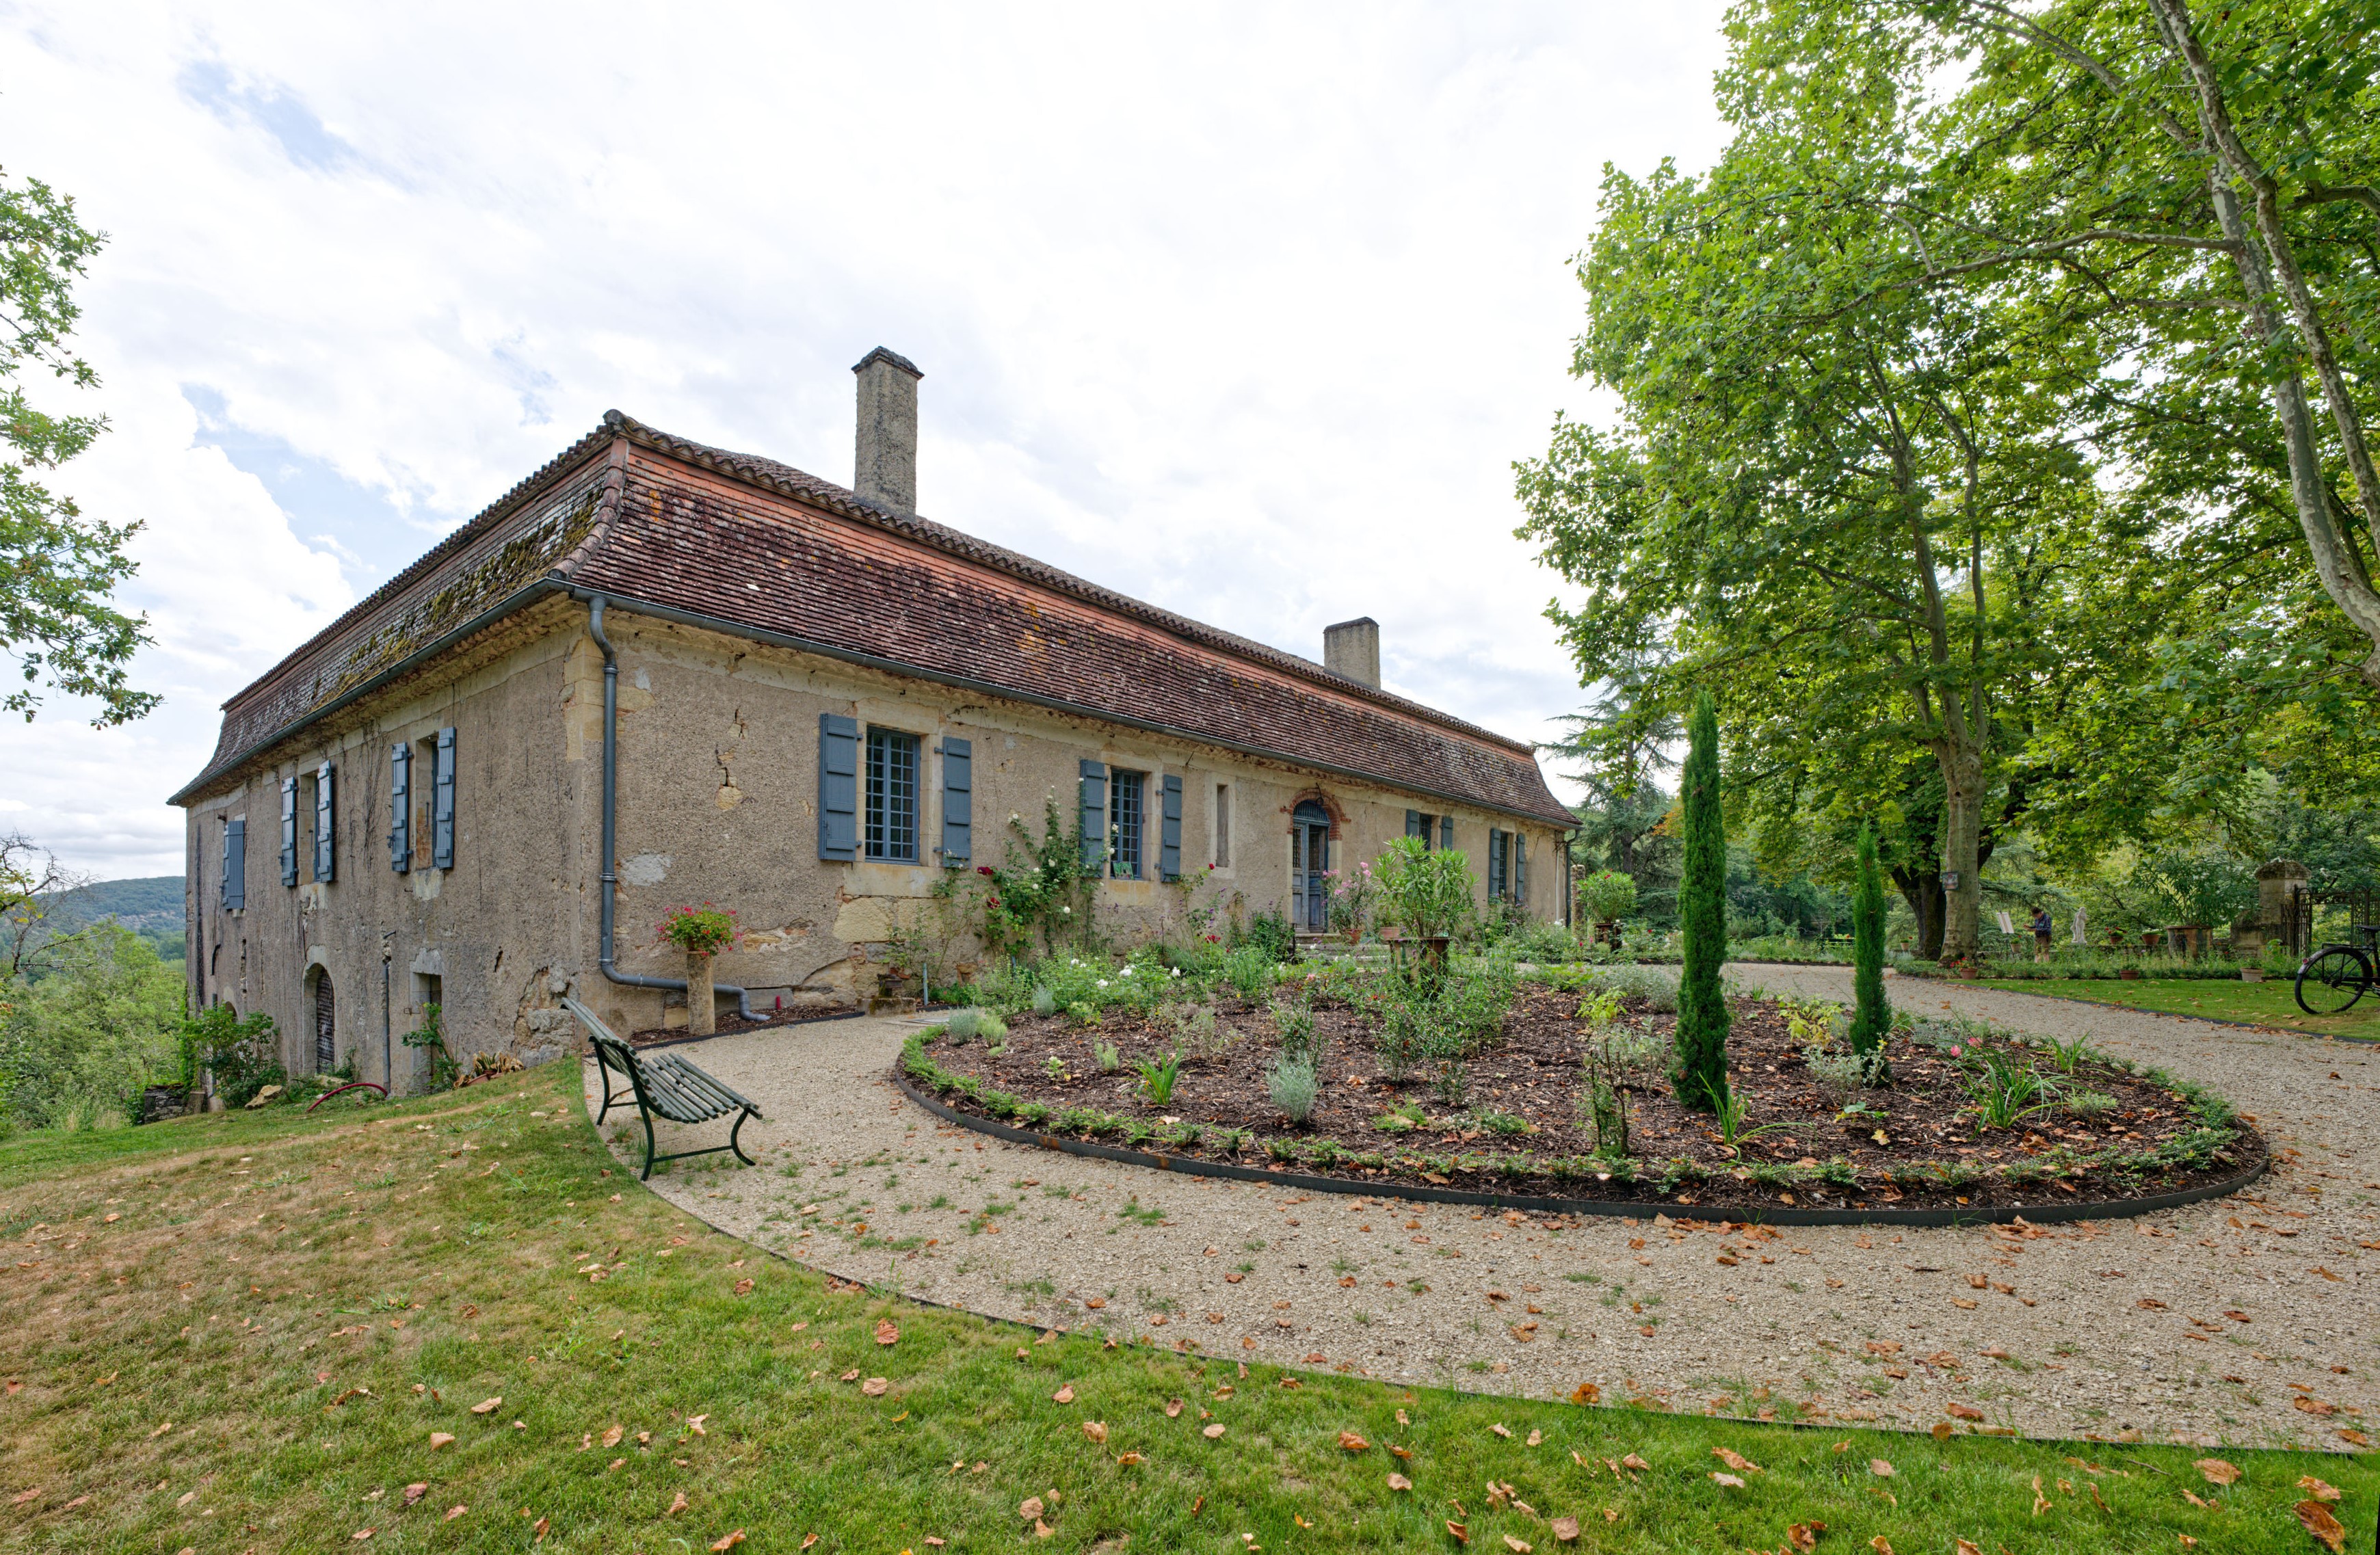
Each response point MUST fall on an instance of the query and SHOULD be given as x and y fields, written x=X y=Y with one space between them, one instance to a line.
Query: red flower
x=983 y=869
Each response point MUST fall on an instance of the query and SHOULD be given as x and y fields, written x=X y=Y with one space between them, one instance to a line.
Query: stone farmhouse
x=656 y=673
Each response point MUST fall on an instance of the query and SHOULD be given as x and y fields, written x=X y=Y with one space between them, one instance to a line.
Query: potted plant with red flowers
x=702 y=932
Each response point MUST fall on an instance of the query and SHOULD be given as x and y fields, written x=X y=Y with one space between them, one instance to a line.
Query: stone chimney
x=886 y=469
x=1353 y=649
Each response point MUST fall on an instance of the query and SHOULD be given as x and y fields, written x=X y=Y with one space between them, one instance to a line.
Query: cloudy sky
x=1245 y=310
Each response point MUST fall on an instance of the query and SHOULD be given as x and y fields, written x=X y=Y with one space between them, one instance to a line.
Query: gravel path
x=2121 y=1329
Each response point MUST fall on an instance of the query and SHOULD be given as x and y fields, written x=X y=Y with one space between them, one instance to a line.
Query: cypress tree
x=1698 y=1066
x=1871 y=1014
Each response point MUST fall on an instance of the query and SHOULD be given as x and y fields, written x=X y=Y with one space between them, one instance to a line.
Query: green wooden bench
x=664 y=1087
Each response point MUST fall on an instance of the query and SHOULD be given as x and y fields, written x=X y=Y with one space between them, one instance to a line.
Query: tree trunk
x=1922 y=891
x=1962 y=812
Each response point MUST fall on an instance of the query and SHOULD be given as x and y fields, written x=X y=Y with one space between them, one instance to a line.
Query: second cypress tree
x=1871 y=1014
x=1699 y=1059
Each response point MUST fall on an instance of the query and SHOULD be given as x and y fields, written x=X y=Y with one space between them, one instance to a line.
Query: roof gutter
x=1077 y=710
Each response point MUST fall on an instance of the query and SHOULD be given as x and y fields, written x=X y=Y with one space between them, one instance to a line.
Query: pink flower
x=1954 y=1052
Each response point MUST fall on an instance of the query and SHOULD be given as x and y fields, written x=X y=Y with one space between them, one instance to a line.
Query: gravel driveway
x=2252 y=1321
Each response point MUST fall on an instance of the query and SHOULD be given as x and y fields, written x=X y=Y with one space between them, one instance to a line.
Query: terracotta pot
x=701 y=1004
x=2128 y=974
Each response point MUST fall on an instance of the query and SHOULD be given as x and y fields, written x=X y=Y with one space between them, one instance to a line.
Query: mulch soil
x=1536 y=1074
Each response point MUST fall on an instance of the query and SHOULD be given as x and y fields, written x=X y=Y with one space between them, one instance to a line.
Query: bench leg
x=649 y=1149
x=736 y=1134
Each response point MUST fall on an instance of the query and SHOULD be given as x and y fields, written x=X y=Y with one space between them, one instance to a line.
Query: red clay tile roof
x=744 y=543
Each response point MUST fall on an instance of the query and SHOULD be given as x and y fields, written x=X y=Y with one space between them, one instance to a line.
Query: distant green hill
x=150 y=906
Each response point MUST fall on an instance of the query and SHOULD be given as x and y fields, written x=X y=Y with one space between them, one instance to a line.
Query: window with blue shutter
x=326 y=829
x=400 y=807
x=1094 y=813
x=892 y=814
x=1519 y=868
x=1413 y=823
x=235 y=863
x=958 y=801
x=1446 y=831
x=838 y=787
x=1495 y=865
x=289 y=830
x=1169 y=834
x=1127 y=812
x=442 y=802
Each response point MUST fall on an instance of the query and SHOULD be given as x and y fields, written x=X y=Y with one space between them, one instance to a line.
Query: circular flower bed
x=1969 y=1116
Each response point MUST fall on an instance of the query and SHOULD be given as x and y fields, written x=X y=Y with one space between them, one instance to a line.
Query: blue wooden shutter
x=289 y=830
x=1495 y=864
x=838 y=787
x=1169 y=834
x=1519 y=868
x=234 y=871
x=326 y=813
x=400 y=807
x=1095 y=814
x=442 y=802
x=958 y=801
x=1446 y=831
x=1413 y=823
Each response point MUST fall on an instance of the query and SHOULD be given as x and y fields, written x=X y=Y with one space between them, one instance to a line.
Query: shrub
x=1655 y=986
x=1045 y=1001
x=1608 y=895
x=1291 y=1084
x=1506 y=1124
x=960 y=1028
x=1110 y=1057
x=1294 y=1022
x=1270 y=933
x=1251 y=969
x=1424 y=892
x=1872 y=1015
x=704 y=931
x=1699 y=1070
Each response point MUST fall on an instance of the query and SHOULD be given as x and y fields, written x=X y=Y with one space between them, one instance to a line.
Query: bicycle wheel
x=2332 y=980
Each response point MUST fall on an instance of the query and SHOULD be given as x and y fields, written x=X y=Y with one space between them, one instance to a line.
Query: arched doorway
x=1310 y=856
x=326 y=1024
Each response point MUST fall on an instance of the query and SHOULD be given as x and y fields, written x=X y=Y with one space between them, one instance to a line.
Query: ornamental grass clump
x=1292 y=1085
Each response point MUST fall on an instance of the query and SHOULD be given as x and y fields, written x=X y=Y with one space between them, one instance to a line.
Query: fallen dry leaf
x=1515 y=1546
x=538 y=1533
x=2216 y=1471
x=677 y=1504
x=1585 y=1393
x=1804 y=1536
x=1066 y=1395
x=875 y=1387
x=886 y=1333
x=415 y=1490
x=1398 y=1482
x=1566 y=1529
x=454 y=1512
x=1731 y=1481
x=1881 y=1545
x=438 y=1440
x=1352 y=1442
x=1172 y=1409
x=1964 y=1411
x=488 y=1406
x=1029 y=1509
x=731 y=1540
x=2041 y=1503
x=743 y=1287
x=612 y=1436
x=362 y=1534
x=1211 y=1432
x=1880 y=1468
x=1632 y=1461
x=2317 y=1489
x=1736 y=1461
x=1042 y=1530
x=1460 y=1534
x=694 y=1424
x=1500 y=1428
x=1096 y=1431
x=1965 y=1546
x=1130 y=1460
x=2315 y=1518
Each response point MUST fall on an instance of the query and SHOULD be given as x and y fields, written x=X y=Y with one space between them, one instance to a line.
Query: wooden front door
x=1310 y=856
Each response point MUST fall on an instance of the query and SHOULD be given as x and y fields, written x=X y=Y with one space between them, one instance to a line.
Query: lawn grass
x=194 y=1376
x=2271 y=1003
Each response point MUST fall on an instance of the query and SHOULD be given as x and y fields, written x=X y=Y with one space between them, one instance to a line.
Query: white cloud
x=1245 y=312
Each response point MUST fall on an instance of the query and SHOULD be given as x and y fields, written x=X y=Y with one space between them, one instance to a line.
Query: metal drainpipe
x=387 y=1047
x=606 y=911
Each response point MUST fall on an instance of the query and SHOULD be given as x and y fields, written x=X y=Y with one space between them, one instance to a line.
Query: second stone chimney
x=1353 y=649
x=886 y=468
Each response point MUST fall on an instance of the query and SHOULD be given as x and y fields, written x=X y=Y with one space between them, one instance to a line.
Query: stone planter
x=2252 y=974
x=701 y=1004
